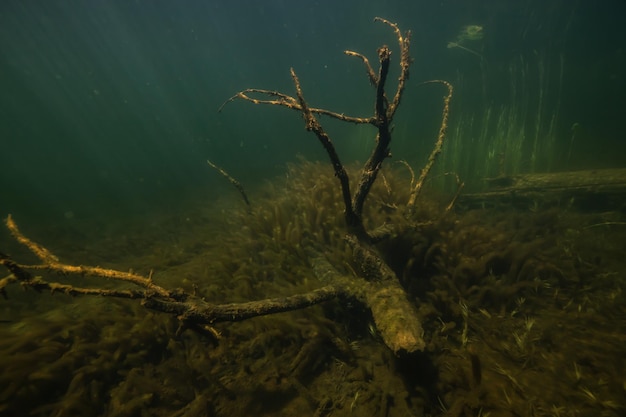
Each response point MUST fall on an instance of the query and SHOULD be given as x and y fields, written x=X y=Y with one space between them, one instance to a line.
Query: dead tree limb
x=394 y=315
x=370 y=71
x=291 y=103
x=189 y=308
x=232 y=180
x=353 y=220
x=376 y=286
x=436 y=150
x=51 y=263
x=382 y=119
x=404 y=43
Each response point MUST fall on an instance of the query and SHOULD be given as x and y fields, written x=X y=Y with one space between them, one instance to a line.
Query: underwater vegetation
x=512 y=114
x=523 y=311
x=415 y=306
x=467 y=34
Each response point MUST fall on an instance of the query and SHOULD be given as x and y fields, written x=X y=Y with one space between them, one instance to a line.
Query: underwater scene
x=321 y=208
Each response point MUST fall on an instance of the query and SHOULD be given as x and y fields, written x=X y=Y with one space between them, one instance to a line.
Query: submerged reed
x=507 y=134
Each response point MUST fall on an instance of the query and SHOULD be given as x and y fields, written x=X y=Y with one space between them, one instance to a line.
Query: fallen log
x=600 y=189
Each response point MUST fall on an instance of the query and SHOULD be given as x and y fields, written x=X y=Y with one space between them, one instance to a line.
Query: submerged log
x=395 y=318
x=600 y=189
x=376 y=286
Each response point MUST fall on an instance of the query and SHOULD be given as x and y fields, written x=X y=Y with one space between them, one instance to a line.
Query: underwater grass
x=507 y=133
x=520 y=309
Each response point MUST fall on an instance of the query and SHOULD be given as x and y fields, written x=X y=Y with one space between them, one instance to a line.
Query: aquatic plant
x=468 y=33
x=512 y=126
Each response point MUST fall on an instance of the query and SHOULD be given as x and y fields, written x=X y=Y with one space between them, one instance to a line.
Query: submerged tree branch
x=187 y=307
x=371 y=74
x=437 y=148
x=313 y=125
x=195 y=310
x=289 y=102
x=376 y=285
x=232 y=180
x=51 y=263
x=405 y=63
x=394 y=316
x=382 y=119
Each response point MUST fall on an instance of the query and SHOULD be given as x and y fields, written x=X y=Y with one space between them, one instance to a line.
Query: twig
x=406 y=164
x=436 y=150
x=368 y=68
x=39 y=284
x=232 y=180
x=196 y=310
x=459 y=187
x=291 y=103
x=52 y=263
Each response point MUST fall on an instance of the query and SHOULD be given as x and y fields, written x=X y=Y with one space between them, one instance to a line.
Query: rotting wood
x=587 y=189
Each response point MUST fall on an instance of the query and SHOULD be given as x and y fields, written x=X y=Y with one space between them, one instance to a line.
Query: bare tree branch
x=438 y=145
x=312 y=124
x=405 y=62
x=371 y=74
x=291 y=103
x=51 y=262
x=232 y=180
x=377 y=286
